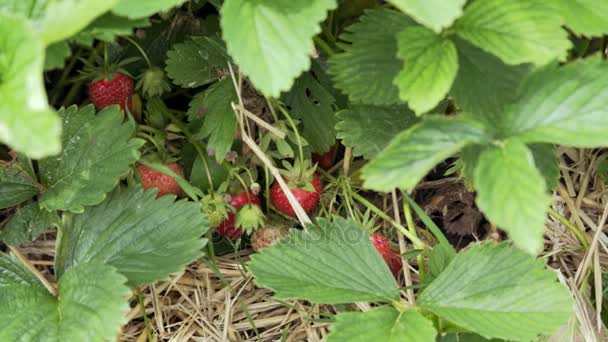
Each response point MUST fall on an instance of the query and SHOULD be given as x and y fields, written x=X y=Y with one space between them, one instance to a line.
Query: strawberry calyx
x=153 y=82
x=249 y=218
x=300 y=175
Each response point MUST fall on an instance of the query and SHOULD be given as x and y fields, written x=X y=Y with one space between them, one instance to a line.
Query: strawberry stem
x=243 y=184
x=298 y=140
x=141 y=50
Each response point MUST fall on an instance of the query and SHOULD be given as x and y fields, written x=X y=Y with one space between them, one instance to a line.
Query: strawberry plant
x=301 y=138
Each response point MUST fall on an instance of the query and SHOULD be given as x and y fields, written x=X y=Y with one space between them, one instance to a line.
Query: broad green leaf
x=435 y=14
x=382 y=324
x=485 y=85
x=441 y=257
x=97 y=152
x=145 y=239
x=499 y=291
x=197 y=62
x=517 y=31
x=56 y=55
x=333 y=263
x=91 y=306
x=198 y=176
x=65 y=18
x=16 y=185
x=271 y=41
x=13 y=274
x=141 y=9
x=27 y=123
x=546 y=161
x=313 y=105
x=220 y=119
x=107 y=27
x=415 y=151
x=586 y=17
x=27 y=223
x=562 y=105
x=368 y=129
x=512 y=193
x=366 y=68
x=431 y=64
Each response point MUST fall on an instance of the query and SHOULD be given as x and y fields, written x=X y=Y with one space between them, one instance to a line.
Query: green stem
x=142 y=305
x=412 y=228
x=162 y=151
x=574 y=229
x=64 y=76
x=197 y=146
x=141 y=50
x=324 y=46
x=298 y=139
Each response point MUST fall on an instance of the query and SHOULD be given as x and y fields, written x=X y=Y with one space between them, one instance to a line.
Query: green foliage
x=97 y=152
x=220 y=118
x=562 y=105
x=585 y=16
x=313 y=105
x=517 y=31
x=271 y=41
x=107 y=27
x=91 y=306
x=140 y=9
x=197 y=62
x=27 y=123
x=501 y=292
x=435 y=14
x=382 y=324
x=333 y=263
x=143 y=238
x=415 y=151
x=27 y=223
x=16 y=185
x=547 y=163
x=431 y=64
x=512 y=193
x=366 y=68
x=368 y=129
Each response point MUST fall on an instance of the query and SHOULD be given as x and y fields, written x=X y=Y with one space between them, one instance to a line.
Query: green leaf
x=97 y=152
x=562 y=105
x=517 y=31
x=485 y=85
x=140 y=9
x=65 y=18
x=415 y=151
x=334 y=263
x=431 y=64
x=499 y=291
x=313 y=105
x=382 y=324
x=56 y=55
x=145 y=239
x=27 y=123
x=14 y=274
x=512 y=193
x=108 y=27
x=197 y=62
x=546 y=161
x=366 y=68
x=435 y=14
x=27 y=223
x=441 y=257
x=220 y=119
x=16 y=185
x=368 y=129
x=271 y=41
x=585 y=16
x=91 y=307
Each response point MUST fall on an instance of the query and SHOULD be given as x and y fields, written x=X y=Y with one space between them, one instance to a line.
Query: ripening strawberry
x=245 y=217
x=390 y=256
x=325 y=160
x=306 y=189
x=165 y=184
x=116 y=88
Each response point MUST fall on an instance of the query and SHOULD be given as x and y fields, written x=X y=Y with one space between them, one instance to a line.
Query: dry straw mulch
x=221 y=303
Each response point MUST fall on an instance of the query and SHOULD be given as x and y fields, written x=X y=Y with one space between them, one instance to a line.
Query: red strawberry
x=165 y=184
x=325 y=160
x=390 y=256
x=307 y=199
x=116 y=89
x=227 y=228
x=265 y=237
